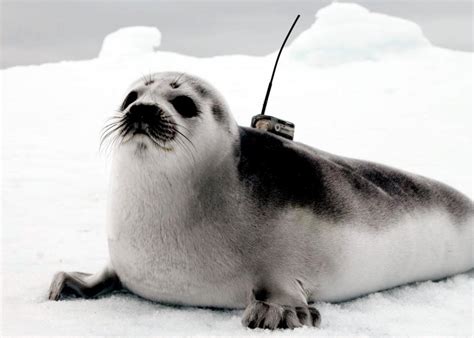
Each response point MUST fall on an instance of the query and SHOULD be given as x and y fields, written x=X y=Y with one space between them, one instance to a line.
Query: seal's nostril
x=142 y=110
x=145 y=114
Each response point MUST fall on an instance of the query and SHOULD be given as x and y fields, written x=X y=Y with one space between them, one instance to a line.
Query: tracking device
x=269 y=123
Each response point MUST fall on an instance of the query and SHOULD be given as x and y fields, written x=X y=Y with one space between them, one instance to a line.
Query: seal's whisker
x=111 y=129
x=147 y=78
x=183 y=145
x=171 y=125
x=175 y=83
x=112 y=120
x=152 y=138
x=179 y=125
x=112 y=142
x=186 y=148
x=125 y=131
x=109 y=126
x=187 y=137
x=157 y=135
x=115 y=119
x=105 y=136
x=190 y=142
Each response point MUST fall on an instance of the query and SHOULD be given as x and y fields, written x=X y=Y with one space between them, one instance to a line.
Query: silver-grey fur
x=208 y=213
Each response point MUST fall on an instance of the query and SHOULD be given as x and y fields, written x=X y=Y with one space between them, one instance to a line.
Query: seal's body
x=276 y=208
x=203 y=212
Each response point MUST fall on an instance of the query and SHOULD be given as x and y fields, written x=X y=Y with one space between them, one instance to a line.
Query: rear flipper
x=84 y=285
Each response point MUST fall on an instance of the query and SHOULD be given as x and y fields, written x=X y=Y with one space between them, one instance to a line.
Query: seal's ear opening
x=185 y=106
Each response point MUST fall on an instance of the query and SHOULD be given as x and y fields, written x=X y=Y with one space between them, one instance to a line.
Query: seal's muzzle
x=149 y=120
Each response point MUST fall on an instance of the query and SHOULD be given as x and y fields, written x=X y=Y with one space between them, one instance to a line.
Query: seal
x=204 y=212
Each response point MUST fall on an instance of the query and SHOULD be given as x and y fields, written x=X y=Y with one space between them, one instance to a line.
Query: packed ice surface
x=406 y=107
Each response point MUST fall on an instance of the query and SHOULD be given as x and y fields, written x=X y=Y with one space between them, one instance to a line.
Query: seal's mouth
x=142 y=119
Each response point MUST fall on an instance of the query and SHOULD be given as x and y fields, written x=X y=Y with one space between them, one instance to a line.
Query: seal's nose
x=140 y=117
x=144 y=112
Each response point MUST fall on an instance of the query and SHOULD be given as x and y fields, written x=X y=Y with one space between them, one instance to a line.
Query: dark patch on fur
x=148 y=79
x=218 y=112
x=261 y=294
x=283 y=173
x=279 y=174
x=141 y=149
x=403 y=190
x=201 y=90
x=174 y=84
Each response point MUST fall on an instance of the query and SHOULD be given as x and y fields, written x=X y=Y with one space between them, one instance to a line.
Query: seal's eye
x=131 y=97
x=185 y=106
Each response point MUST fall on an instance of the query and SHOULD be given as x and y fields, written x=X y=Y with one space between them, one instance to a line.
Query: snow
x=345 y=32
x=389 y=96
x=131 y=41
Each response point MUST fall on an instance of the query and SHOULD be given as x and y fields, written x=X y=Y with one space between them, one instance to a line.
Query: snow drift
x=388 y=96
x=349 y=32
x=130 y=41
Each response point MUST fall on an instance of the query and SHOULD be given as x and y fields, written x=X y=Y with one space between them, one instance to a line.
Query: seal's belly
x=426 y=245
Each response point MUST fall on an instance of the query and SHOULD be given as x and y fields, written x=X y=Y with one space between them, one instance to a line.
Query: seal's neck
x=173 y=185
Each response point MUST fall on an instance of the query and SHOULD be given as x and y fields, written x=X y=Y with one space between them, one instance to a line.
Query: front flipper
x=276 y=309
x=84 y=285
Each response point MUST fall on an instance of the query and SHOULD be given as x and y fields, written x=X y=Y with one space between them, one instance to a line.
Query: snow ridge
x=130 y=41
x=346 y=32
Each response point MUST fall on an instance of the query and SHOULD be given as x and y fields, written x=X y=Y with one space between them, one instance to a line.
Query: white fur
x=151 y=250
x=353 y=259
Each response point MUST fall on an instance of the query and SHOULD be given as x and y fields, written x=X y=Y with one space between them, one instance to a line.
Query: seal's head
x=171 y=115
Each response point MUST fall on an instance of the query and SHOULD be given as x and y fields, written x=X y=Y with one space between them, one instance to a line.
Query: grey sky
x=35 y=32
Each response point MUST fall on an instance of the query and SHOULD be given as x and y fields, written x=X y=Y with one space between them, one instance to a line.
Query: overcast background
x=35 y=32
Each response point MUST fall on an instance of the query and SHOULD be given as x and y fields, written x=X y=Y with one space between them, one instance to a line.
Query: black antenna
x=276 y=63
x=273 y=124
